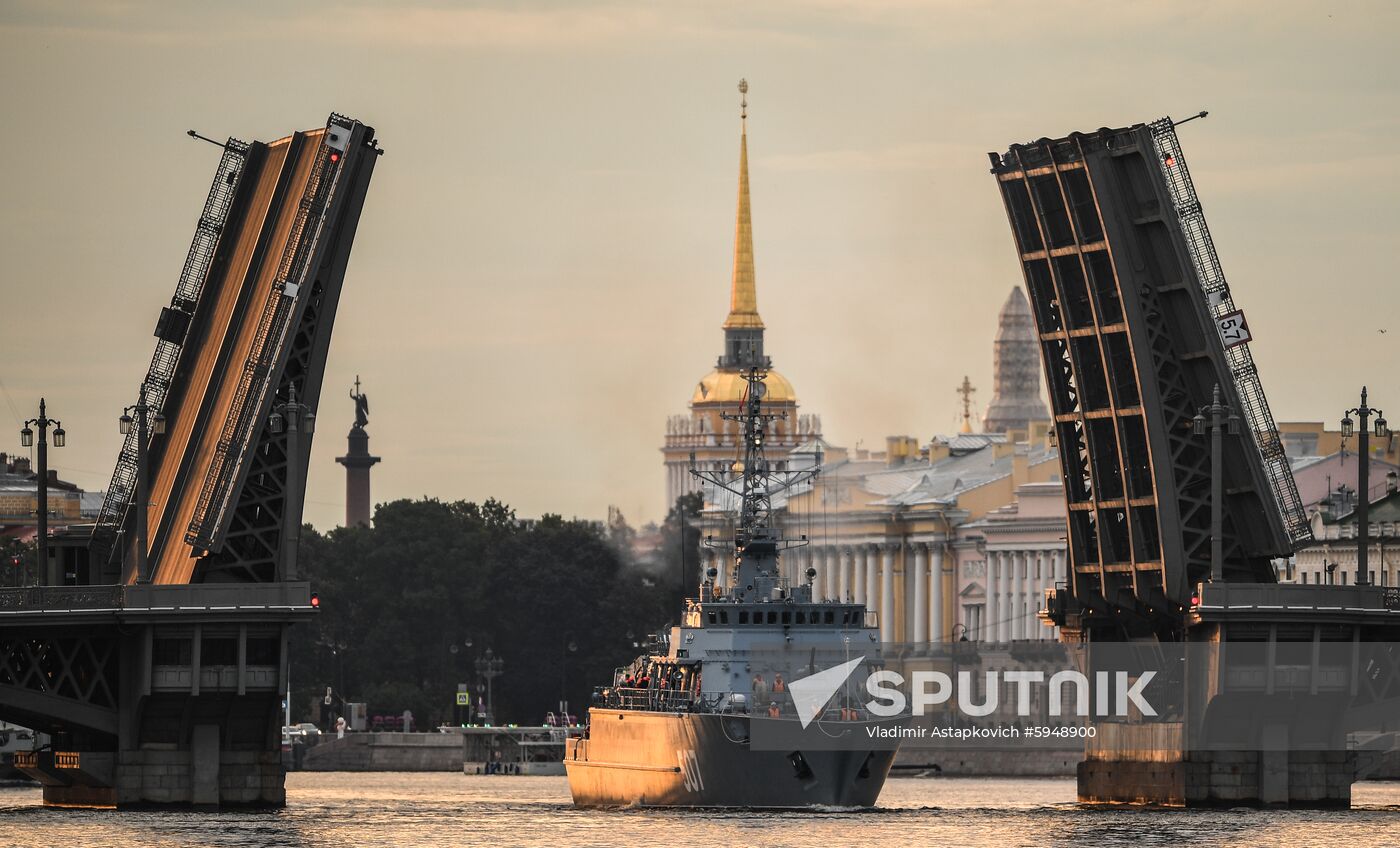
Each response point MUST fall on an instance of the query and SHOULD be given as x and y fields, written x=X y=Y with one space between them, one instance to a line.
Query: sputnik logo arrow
x=811 y=693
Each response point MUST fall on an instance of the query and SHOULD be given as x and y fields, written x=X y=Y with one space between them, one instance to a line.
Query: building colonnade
x=906 y=584
x=1016 y=584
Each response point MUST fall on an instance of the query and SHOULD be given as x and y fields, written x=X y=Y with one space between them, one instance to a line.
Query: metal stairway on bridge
x=170 y=333
x=1246 y=375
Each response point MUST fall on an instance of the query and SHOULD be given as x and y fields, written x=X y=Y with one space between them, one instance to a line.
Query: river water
x=408 y=810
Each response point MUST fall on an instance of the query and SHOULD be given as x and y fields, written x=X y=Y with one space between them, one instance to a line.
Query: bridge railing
x=178 y=597
x=61 y=597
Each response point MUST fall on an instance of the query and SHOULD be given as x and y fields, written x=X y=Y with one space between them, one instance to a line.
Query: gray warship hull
x=658 y=759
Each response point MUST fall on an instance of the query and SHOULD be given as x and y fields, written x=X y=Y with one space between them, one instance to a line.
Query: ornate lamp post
x=146 y=420
x=1217 y=417
x=60 y=438
x=489 y=667
x=1363 y=479
x=293 y=418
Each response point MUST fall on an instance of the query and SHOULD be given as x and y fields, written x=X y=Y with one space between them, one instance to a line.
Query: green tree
x=679 y=553
x=408 y=606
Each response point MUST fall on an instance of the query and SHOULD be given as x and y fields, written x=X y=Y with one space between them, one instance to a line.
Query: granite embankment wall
x=387 y=752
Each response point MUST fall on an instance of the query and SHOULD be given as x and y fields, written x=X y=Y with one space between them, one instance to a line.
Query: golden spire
x=743 y=293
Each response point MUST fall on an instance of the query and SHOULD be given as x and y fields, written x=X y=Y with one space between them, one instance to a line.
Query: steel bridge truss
x=1131 y=353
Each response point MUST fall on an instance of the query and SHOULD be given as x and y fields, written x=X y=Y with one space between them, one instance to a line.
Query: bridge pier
x=153 y=695
x=1244 y=778
x=1288 y=694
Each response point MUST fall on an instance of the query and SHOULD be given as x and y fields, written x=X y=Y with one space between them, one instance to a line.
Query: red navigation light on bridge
x=315 y=601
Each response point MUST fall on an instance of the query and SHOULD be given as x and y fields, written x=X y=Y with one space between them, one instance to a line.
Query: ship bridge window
x=712 y=616
x=787 y=617
x=801 y=617
x=830 y=619
x=743 y=616
x=772 y=616
x=723 y=616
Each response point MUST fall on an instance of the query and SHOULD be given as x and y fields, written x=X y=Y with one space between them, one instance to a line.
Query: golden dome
x=724 y=386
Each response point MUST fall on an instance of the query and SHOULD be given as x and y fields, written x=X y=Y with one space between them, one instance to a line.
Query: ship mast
x=754 y=481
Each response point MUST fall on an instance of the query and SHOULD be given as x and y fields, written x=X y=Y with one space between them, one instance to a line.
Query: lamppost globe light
x=1347 y=427
x=274 y=422
x=1382 y=429
x=124 y=424
x=60 y=437
x=158 y=424
x=308 y=423
x=26 y=437
x=1198 y=425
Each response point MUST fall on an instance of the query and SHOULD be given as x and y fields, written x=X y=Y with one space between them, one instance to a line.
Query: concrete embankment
x=387 y=752
x=925 y=762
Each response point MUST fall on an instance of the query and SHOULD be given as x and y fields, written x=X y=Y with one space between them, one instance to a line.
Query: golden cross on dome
x=966 y=390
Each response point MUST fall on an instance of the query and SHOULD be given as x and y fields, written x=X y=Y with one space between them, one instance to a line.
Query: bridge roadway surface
x=210 y=371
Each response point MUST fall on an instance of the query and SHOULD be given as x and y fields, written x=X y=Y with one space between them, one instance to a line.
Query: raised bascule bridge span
x=1139 y=330
x=157 y=660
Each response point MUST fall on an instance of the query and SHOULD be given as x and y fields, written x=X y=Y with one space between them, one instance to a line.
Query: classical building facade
x=703 y=433
x=19 y=499
x=1007 y=560
x=1331 y=558
x=886 y=531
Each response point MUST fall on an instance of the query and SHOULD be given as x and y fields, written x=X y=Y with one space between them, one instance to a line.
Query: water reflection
x=406 y=810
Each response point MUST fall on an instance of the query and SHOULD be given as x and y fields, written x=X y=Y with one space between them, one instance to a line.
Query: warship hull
x=657 y=759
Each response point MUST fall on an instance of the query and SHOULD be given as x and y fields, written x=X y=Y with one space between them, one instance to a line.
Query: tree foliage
x=680 y=540
x=409 y=605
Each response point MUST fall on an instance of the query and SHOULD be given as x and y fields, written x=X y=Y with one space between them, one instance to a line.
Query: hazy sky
x=543 y=262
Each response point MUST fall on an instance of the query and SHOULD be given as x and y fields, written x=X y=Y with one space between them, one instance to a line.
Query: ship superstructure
x=706 y=717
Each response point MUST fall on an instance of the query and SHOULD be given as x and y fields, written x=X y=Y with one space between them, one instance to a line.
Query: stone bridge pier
x=152 y=694
x=1291 y=693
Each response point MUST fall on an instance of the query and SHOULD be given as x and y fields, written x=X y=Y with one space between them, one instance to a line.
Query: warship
x=716 y=713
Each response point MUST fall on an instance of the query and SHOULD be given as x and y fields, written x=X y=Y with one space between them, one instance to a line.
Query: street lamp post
x=1363 y=479
x=569 y=646
x=489 y=667
x=146 y=420
x=1216 y=417
x=294 y=418
x=60 y=438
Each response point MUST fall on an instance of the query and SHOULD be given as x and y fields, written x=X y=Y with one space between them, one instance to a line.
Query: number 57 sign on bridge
x=1233 y=329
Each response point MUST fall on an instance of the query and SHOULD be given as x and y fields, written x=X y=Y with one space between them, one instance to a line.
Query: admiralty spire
x=703 y=431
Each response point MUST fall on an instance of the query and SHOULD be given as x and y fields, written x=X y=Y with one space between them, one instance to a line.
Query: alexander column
x=357 y=462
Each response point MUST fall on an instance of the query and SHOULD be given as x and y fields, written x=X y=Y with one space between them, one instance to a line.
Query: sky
x=543 y=261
